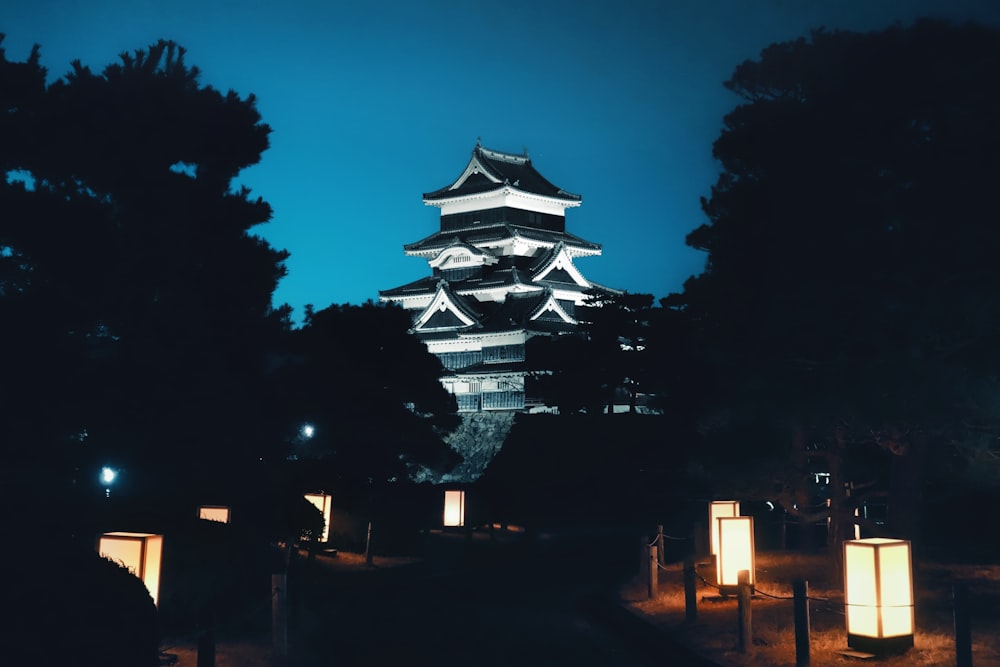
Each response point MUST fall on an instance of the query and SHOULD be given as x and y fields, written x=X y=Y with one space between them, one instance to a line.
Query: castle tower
x=502 y=271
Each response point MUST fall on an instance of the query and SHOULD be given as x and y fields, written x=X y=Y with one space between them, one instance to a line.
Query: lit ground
x=715 y=632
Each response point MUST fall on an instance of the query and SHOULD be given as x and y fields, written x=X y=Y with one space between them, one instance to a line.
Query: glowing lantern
x=717 y=509
x=214 y=513
x=736 y=550
x=454 y=508
x=141 y=553
x=324 y=503
x=878 y=594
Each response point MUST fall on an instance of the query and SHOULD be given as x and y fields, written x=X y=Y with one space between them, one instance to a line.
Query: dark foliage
x=351 y=372
x=625 y=347
x=581 y=469
x=850 y=294
x=138 y=301
x=70 y=606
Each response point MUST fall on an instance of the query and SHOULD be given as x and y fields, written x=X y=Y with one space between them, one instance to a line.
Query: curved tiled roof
x=504 y=168
x=493 y=233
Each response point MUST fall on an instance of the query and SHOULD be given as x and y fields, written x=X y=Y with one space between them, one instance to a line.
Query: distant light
x=308 y=430
x=108 y=475
x=770 y=506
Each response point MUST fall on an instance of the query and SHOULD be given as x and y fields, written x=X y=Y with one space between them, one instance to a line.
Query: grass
x=251 y=646
x=714 y=634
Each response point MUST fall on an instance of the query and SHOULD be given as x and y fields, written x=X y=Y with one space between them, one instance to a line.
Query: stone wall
x=477 y=439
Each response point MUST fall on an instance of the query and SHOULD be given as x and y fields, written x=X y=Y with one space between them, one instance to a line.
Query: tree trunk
x=906 y=480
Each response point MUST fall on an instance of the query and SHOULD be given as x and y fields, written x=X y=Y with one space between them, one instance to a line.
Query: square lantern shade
x=214 y=513
x=716 y=509
x=454 y=508
x=140 y=553
x=736 y=551
x=324 y=503
x=878 y=595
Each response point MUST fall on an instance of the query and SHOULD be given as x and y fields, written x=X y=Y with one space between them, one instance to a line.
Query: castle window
x=503 y=400
x=503 y=353
x=456 y=360
x=468 y=402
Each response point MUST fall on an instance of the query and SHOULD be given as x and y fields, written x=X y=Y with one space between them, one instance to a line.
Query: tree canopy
x=851 y=288
x=370 y=392
x=136 y=294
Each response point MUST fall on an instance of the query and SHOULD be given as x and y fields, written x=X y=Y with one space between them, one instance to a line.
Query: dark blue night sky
x=374 y=103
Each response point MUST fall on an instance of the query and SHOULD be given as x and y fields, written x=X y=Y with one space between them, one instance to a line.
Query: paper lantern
x=324 y=503
x=717 y=509
x=454 y=508
x=214 y=513
x=736 y=551
x=878 y=595
x=141 y=553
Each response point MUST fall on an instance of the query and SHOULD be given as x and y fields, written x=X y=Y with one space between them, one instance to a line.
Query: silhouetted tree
x=371 y=392
x=616 y=353
x=137 y=299
x=850 y=298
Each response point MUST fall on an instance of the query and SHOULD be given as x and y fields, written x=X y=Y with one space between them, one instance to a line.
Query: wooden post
x=368 y=545
x=743 y=606
x=279 y=615
x=800 y=611
x=699 y=540
x=690 y=592
x=644 y=556
x=206 y=643
x=659 y=544
x=654 y=572
x=963 y=627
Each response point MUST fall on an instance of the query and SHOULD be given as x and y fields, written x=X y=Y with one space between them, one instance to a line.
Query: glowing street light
x=108 y=476
x=454 y=508
x=140 y=553
x=878 y=594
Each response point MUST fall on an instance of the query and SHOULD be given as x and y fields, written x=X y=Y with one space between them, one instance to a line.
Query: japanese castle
x=502 y=271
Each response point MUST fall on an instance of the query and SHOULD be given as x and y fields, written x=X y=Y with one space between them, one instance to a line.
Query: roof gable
x=445 y=311
x=558 y=266
x=551 y=310
x=488 y=168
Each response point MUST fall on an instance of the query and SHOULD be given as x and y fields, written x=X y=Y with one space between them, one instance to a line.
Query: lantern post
x=324 y=503
x=140 y=553
x=454 y=509
x=878 y=595
x=736 y=552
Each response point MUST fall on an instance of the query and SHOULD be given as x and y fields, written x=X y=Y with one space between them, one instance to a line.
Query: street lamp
x=324 y=503
x=454 y=509
x=140 y=553
x=108 y=476
x=878 y=594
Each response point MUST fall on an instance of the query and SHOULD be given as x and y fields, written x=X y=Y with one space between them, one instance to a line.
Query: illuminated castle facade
x=502 y=271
